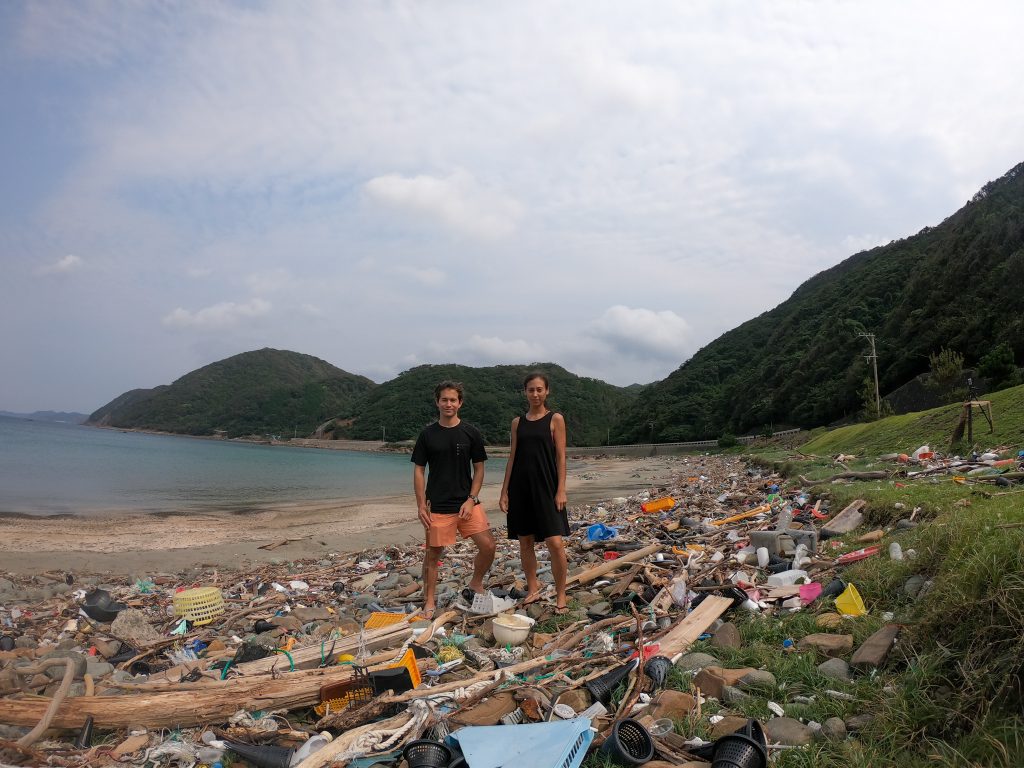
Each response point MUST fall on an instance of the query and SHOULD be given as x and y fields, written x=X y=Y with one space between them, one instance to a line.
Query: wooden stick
x=600 y=570
x=32 y=736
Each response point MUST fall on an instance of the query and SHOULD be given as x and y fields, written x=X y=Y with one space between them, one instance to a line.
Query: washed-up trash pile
x=328 y=662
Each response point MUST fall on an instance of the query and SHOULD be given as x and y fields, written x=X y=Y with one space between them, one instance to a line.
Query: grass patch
x=934 y=427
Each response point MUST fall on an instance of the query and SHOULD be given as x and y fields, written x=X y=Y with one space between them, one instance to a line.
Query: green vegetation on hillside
x=954 y=286
x=267 y=391
x=494 y=396
x=906 y=432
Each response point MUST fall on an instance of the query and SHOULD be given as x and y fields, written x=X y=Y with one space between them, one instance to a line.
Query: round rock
x=786 y=730
x=692 y=662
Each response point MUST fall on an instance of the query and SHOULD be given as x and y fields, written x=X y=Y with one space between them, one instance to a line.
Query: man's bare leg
x=485 y=548
x=430 y=559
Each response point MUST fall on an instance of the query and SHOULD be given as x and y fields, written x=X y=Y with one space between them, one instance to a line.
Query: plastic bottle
x=895 y=551
x=678 y=590
x=763 y=557
x=313 y=743
x=800 y=556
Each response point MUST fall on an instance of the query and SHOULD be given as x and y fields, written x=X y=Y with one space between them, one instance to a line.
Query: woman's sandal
x=561 y=610
x=427 y=614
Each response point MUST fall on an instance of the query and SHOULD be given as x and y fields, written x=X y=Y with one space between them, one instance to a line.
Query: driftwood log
x=600 y=570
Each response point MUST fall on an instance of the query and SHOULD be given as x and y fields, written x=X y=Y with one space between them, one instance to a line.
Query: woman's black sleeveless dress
x=533 y=482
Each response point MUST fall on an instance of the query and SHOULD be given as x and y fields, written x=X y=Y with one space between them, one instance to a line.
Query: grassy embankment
x=951 y=692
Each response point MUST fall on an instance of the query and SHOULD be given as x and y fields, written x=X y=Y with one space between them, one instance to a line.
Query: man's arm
x=474 y=490
x=419 y=487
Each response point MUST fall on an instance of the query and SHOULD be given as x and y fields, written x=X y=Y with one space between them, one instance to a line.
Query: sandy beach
x=139 y=543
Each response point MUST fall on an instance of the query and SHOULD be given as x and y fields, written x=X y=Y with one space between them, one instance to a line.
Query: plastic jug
x=787 y=578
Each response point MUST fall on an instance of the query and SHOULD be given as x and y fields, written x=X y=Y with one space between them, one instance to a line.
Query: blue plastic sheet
x=558 y=744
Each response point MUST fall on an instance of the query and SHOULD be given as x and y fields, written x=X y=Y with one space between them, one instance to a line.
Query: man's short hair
x=448 y=384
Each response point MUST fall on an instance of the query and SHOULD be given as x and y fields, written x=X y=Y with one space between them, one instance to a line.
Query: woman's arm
x=558 y=436
x=503 y=499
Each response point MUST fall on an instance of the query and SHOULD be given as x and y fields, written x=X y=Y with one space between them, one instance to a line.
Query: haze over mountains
x=956 y=285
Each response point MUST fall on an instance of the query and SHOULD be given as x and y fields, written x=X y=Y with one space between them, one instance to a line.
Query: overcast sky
x=609 y=186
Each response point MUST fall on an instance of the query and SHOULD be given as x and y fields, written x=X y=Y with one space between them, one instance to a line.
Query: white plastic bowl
x=511 y=629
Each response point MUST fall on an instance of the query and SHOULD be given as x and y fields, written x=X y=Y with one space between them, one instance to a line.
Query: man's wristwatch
x=475 y=499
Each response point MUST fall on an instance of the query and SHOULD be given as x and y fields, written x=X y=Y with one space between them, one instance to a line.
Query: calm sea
x=60 y=468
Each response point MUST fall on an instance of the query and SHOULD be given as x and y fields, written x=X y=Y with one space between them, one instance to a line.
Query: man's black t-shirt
x=449 y=453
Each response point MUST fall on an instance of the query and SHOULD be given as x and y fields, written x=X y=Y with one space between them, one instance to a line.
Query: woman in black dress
x=533 y=494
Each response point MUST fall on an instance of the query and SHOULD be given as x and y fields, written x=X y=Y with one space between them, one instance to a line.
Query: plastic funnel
x=746 y=748
x=262 y=755
x=424 y=753
x=657 y=668
x=602 y=688
x=628 y=744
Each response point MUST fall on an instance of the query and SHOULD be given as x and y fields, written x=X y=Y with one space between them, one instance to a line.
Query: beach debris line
x=323 y=662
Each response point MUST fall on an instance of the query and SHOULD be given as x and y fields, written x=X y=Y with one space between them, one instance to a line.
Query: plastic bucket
x=628 y=744
x=850 y=603
x=746 y=748
x=424 y=753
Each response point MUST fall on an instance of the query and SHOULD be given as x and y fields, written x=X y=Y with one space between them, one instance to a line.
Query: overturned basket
x=200 y=606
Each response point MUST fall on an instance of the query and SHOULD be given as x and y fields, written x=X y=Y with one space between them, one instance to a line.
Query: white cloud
x=458 y=201
x=62 y=266
x=486 y=350
x=198 y=273
x=269 y=281
x=623 y=83
x=423 y=275
x=644 y=332
x=218 y=316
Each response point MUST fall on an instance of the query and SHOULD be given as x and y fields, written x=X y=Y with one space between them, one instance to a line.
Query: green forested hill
x=404 y=405
x=957 y=285
x=268 y=391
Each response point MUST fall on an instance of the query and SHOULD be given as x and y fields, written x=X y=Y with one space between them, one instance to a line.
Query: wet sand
x=142 y=543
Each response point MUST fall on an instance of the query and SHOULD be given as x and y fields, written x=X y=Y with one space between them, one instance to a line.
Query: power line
x=873 y=357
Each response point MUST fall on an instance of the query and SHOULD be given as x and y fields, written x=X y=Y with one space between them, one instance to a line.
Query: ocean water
x=50 y=468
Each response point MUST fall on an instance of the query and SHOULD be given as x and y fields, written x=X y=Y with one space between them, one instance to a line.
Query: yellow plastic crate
x=200 y=606
x=379 y=619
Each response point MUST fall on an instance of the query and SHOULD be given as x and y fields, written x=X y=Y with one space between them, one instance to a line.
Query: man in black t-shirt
x=447 y=497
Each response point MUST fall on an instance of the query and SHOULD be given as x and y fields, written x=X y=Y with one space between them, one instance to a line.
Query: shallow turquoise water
x=61 y=468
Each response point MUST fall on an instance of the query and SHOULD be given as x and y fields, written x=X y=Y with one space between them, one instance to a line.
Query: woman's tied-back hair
x=537 y=375
x=448 y=384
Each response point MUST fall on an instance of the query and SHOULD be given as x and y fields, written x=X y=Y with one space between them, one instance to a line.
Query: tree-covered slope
x=494 y=395
x=957 y=285
x=267 y=391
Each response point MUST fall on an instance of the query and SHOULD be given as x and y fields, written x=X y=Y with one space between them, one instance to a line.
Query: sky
x=605 y=185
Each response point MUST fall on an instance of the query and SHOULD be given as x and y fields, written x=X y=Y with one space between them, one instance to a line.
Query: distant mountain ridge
x=63 y=417
x=401 y=407
x=264 y=392
x=956 y=285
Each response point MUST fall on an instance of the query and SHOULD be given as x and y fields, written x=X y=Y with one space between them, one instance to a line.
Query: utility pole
x=383 y=434
x=873 y=357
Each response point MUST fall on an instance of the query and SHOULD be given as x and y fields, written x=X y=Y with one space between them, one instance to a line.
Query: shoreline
x=132 y=542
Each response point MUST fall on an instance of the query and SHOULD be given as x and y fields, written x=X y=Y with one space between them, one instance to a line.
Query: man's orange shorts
x=442 y=527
